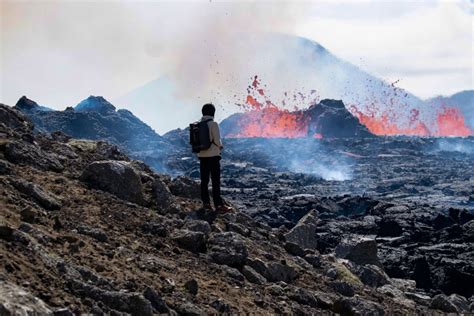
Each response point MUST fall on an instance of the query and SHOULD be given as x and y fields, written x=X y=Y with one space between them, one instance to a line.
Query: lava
x=262 y=118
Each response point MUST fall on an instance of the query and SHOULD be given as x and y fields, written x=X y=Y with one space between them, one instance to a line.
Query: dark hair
x=208 y=109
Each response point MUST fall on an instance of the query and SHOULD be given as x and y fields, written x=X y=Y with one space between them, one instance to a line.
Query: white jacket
x=215 y=136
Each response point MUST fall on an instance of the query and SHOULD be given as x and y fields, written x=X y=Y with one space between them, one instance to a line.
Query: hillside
x=84 y=229
x=96 y=119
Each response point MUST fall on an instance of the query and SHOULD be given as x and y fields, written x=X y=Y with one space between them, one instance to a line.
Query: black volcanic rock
x=24 y=104
x=330 y=118
x=95 y=104
x=96 y=119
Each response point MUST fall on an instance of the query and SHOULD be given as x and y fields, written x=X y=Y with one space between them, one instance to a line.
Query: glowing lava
x=262 y=118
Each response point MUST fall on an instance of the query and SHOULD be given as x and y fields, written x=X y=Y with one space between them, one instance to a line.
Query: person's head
x=208 y=109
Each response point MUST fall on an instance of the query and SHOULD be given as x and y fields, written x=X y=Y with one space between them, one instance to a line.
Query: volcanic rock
x=15 y=300
x=185 y=187
x=450 y=304
x=227 y=248
x=358 y=306
x=32 y=190
x=97 y=119
x=162 y=194
x=361 y=250
x=20 y=152
x=277 y=272
x=190 y=240
x=304 y=233
x=253 y=276
x=116 y=177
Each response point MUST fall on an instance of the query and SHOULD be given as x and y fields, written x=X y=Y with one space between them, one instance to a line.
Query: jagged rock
x=15 y=300
x=253 y=276
x=450 y=304
x=154 y=229
x=259 y=266
x=185 y=187
x=280 y=272
x=371 y=275
x=6 y=167
x=29 y=215
x=304 y=233
x=221 y=306
x=227 y=248
x=357 y=306
x=198 y=226
x=359 y=249
x=156 y=300
x=133 y=303
x=190 y=240
x=95 y=233
x=162 y=194
x=14 y=119
x=189 y=309
x=32 y=190
x=19 y=152
x=303 y=296
x=116 y=177
x=343 y=288
x=192 y=286
x=313 y=259
x=294 y=249
x=233 y=273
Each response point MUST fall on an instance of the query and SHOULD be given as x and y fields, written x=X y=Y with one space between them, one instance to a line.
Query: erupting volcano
x=330 y=118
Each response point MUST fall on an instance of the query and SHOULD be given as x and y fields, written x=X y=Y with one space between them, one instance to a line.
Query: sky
x=60 y=52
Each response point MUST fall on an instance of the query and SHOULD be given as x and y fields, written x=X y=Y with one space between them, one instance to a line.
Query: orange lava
x=262 y=118
x=450 y=122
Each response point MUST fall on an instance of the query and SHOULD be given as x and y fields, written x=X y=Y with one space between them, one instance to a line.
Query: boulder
x=20 y=152
x=371 y=275
x=14 y=119
x=185 y=187
x=343 y=288
x=116 y=177
x=357 y=306
x=15 y=300
x=192 y=286
x=227 y=248
x=198 y=226
x=253 y=276
x=190 y=240
x=277 y=272
x=40 y=196
x=450 y=304
x=304 y=233
x=161 y=194
x=303 y=296
x=156 y=300
x=359 y=249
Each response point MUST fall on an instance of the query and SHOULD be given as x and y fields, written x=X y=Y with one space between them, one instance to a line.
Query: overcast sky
x=60 y=52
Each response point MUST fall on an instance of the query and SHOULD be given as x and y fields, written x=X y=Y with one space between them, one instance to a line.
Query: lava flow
x=265 y=119
x=262 y=118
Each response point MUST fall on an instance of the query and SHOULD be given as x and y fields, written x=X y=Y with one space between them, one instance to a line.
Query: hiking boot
x=207 y=207
x=224 y=209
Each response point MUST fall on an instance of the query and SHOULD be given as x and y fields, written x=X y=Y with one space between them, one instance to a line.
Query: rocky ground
x=84 y=229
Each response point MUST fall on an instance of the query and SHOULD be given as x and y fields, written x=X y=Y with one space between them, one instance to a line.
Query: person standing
x=209 y=160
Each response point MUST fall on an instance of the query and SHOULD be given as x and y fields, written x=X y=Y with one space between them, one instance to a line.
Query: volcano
x=298 y=72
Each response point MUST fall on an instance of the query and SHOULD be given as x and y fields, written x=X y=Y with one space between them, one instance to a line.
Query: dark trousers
x=211 y=166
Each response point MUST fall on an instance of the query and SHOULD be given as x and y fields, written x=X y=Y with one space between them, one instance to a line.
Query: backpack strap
x=207 y=121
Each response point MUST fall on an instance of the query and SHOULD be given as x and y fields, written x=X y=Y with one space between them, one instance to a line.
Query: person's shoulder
x=213 y=123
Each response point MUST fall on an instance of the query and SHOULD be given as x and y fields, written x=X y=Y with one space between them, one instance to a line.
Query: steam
x=328 y=172
x=464 y=146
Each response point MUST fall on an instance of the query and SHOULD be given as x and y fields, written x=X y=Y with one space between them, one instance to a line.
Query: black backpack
x=199 y=136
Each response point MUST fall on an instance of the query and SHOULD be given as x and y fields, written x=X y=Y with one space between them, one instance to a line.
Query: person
x=209 y=163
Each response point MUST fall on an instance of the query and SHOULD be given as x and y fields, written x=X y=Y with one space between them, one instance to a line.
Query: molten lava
x=262 y=118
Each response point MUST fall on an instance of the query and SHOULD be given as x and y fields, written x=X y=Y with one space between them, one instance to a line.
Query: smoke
x=456 y=145
x=327 y=171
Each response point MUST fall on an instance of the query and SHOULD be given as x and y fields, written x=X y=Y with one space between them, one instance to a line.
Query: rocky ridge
x=97 y=119
x=74 y=240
